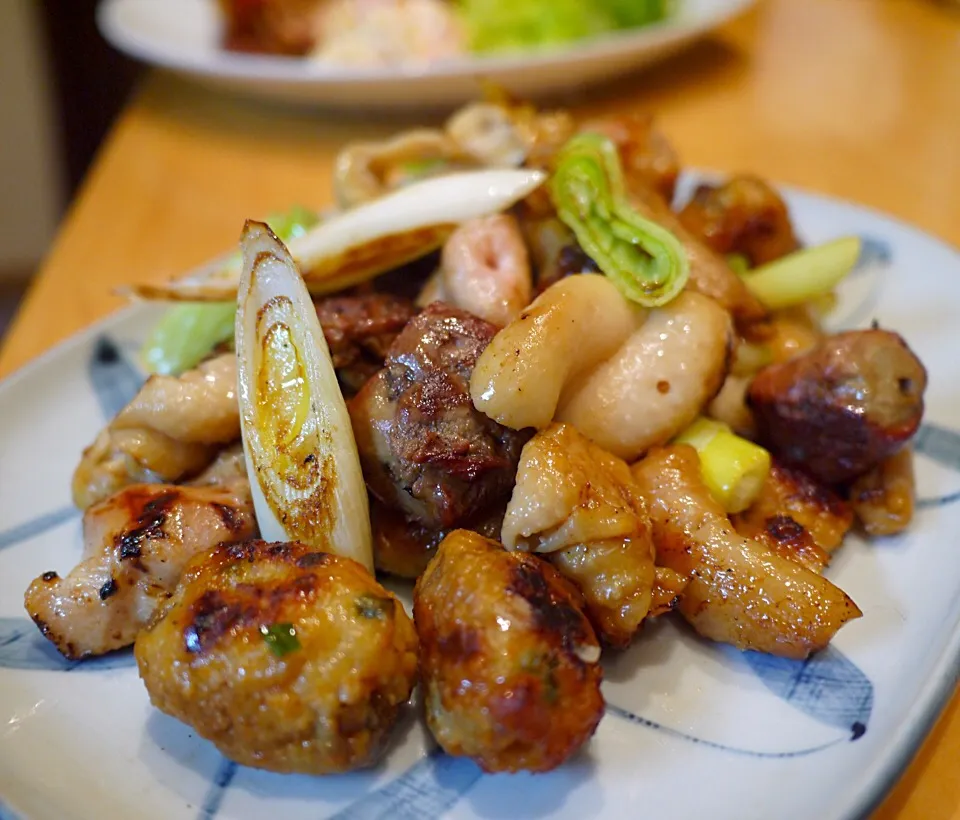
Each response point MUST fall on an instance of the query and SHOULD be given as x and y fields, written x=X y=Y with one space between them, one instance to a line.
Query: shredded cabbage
x=188 y=332
x=644 y=260
x=517 y=25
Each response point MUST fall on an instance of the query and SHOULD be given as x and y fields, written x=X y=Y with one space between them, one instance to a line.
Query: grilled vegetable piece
x=426 y=450
x=790 y=493
x=646 y=262
x=356 y=245
x=172 y=429
x=883 y=498
x=744 y=215
x=740 y=592
x=301 y=457
x=286 y=658
x=136 y=544
x=842 y=408
x=579 y=505
x=508 y=660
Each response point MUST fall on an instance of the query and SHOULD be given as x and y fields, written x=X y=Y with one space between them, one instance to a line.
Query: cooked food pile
x=372 y=33
x=510 y=369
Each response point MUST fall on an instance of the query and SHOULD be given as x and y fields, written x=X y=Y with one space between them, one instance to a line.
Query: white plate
x=692 y=728
x=184 y=35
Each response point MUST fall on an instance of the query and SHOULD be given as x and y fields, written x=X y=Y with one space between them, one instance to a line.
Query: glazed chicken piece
x=508 y=661
x=173 y=428
x=359 y=329
x=789 y=493
x=404 y=548
x=744 y=215
x=578 y=505
x=136 y=544
x=647 y=157
x=425 y=449
x=883 y=499
x=740 y=592
x=842 y=408
x=286 y=658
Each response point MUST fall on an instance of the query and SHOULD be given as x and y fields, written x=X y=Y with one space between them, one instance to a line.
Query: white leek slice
x=372 y=238
x=297 y=439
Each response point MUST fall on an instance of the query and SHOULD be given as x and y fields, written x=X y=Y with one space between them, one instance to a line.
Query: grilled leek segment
x=301 y=456
x=370 y=239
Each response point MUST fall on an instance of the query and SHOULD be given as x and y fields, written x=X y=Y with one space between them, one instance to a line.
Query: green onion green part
x=803 y=275
x=281 y=639
x=645 y=261
x=187 y=332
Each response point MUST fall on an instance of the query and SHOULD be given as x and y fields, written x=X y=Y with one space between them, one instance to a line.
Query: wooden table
x=856 y=98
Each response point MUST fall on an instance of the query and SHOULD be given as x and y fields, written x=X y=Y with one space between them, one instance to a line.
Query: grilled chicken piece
x=286 y=658
x=647 y=157
x=508 y=661
x=404 y=548
x=359 y=329
x=173 y=428
x=425 y=449
x=136 y=544
x=786 y=537
x=740 y=592
x=579 y=505
x=883 y=498
x=743 y=215
x=842 y=408
x=789 y=493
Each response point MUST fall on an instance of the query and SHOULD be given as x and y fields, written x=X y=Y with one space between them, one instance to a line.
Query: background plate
x=184 y=35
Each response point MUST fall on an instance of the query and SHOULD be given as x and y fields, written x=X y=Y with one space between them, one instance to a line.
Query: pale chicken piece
x=659 y=380
x=522 y=374
x=136 y=544
x=580 y=505
x=740 y=592
x=172 y=429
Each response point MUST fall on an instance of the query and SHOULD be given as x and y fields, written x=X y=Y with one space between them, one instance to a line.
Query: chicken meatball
x=509 y=661
x=842 y=408
x=286 y=658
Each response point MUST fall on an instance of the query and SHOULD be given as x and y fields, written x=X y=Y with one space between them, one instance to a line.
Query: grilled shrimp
x=740 y=591
x=286 y=658
x=486 y=270
x=136 y=544
x=173 y=428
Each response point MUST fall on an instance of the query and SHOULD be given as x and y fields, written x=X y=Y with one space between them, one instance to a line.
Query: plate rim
x=299 y=72
x=906 y=738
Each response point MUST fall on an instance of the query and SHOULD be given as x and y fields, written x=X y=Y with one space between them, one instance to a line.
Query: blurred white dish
x=184 y=36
